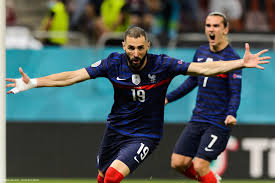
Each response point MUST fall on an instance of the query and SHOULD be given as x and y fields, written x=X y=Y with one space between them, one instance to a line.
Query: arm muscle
x=63 y=78
x=214 y=68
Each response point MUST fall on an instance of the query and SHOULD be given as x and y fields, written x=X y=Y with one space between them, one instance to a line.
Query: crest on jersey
x=152 y=78
x=96 y=64
x=136 y=79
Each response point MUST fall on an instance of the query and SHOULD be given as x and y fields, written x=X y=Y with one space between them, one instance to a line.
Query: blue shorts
x=202 y=140
x=130 y=150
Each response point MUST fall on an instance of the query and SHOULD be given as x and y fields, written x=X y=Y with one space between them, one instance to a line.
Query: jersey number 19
x=138 y=95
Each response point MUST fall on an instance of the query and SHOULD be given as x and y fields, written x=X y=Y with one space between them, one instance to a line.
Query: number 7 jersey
x=138 y=108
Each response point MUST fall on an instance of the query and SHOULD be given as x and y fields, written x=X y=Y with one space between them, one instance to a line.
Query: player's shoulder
x=230 y=51
x=115 y=56
x=203 y=50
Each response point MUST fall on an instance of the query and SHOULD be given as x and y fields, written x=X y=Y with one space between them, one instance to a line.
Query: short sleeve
x=105 y=67
x=98 y=69
x=177 y=66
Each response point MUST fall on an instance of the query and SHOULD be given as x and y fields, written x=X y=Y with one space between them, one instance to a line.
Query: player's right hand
x=230 y=120
x=21 y=84
x=166 y=101
x=254 y=60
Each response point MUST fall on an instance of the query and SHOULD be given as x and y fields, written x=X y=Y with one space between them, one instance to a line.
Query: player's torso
x=138 y=107
x=139 y=97
x=214 y=92
x=145 y=87
x=215 y=84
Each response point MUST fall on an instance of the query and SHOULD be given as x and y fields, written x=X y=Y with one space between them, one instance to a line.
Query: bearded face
x=136 y=51
x=136 y=63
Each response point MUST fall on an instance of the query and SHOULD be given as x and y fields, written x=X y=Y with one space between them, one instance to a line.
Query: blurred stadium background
x=55 y=133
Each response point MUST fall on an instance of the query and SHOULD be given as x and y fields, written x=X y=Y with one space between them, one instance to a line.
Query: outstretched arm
x=213 y=68
x=54 y=80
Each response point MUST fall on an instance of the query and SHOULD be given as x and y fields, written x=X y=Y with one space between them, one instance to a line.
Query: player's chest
x=139 y=88
x=133 y=79
x=203 y=81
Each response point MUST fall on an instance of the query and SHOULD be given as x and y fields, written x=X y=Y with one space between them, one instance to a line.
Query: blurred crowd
x=163 y=18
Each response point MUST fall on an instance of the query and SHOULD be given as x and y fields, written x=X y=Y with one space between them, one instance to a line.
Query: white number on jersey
x=206 y=78
x=138 y=95
x=214 y=139
x=143 y=151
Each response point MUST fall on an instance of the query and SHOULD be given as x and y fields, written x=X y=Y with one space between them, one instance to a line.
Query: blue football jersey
x=217 y=96
x=138 y=108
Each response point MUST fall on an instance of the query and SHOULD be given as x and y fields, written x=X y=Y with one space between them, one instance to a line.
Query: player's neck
x=218 y=47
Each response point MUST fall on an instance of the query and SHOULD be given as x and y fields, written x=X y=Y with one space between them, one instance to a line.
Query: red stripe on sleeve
x=222 y=76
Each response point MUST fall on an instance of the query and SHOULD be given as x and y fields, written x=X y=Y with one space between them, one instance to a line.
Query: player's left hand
x=253 y=60
x=230 y=120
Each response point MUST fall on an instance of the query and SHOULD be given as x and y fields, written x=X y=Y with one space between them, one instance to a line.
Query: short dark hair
x=216 y=13
x=135 y=32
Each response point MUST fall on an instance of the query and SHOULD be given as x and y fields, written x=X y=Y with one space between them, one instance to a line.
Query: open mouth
x=135 y=61
x=212 y=36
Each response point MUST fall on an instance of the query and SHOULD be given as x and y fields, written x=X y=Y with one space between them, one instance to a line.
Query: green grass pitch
x=128 y=181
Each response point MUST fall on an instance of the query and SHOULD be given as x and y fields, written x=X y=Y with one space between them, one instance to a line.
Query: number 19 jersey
x=138 y=108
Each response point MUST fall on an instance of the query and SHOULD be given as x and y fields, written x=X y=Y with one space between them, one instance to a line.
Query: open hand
x=17 y=86
x=253 y=60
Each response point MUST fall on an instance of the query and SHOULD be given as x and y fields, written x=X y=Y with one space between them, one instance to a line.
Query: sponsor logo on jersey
x=120 y=79
x=236 y=76
x=152 y=78
x=96 y=64
x=136 y=79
